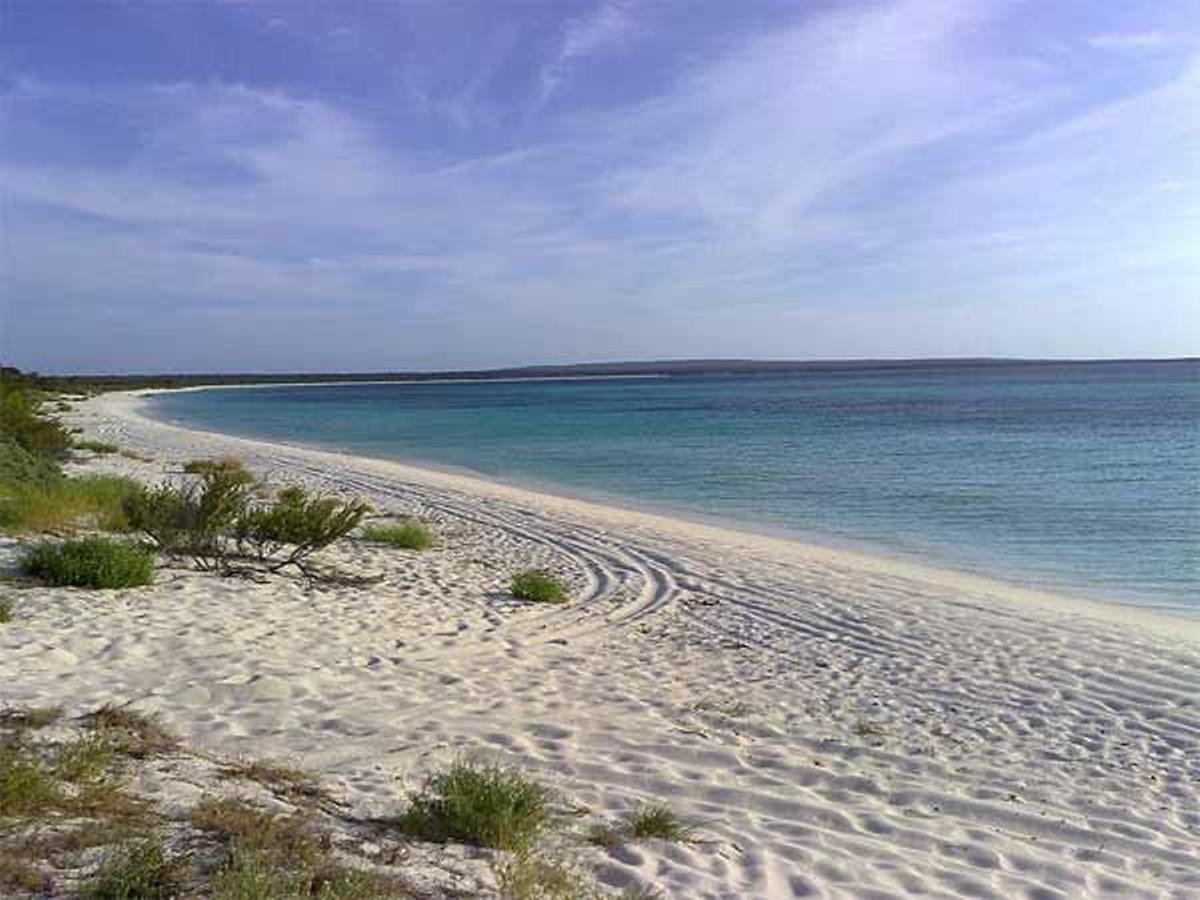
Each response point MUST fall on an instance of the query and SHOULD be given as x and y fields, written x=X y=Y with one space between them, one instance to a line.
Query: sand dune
x=836 y=725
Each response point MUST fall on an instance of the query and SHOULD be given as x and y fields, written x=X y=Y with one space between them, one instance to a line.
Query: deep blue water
x=1078 y=478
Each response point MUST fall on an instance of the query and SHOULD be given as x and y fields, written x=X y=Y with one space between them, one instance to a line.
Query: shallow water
x=1082 y=478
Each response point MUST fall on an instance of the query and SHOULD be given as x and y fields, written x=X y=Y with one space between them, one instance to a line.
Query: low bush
x=538 y=587
x=228 y=466
x=93 y=562
x=100 y=447
x=22 y=422
x=488 y=806
x=190 y=520
x=295 y=526
x=6 y=610
x=411 y=535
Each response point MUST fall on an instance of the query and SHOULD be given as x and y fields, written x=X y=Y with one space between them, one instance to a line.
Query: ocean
x=1077 y=478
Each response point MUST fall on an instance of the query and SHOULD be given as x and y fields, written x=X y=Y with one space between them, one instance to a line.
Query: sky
x=367 y=186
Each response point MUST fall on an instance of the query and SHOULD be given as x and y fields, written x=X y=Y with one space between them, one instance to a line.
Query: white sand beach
x=835 y=725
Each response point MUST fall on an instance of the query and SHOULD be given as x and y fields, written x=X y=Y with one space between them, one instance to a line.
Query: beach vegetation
x=26 y=784
x=52 y=504
x=539 y=876
x=409 y=535
x=297 y=525
x=189 y=519
x=271 y=856
x=231 y=467
x=91 y=562
x=25 y=718
x=6 y=610
x=131 y=732
x=283 y=780
x=484 y=805
x=138 y=871
x=87 y=758
x=18 y=876
x=651 y=820
x=538 y=586
x=23 y=423
x=102 y=448
x=657 y=820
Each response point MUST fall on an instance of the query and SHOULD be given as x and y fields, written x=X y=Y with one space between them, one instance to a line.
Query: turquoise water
x=1082 y=478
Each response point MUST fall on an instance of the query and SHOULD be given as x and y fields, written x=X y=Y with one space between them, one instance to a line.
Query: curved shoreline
x=1174 y=623
x=834 y=724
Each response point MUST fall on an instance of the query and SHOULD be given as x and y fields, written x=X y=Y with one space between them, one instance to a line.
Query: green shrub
x=19 y=466
x=93 y=562
x=22 y=422
x=228 y=466
x=301 y=523
x=538 y=587
x=141 y=871
x=488 y=806
x=191 y=519
x=411 y=535
x=100 y=447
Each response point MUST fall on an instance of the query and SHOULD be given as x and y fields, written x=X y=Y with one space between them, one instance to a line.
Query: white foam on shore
x=839 y=724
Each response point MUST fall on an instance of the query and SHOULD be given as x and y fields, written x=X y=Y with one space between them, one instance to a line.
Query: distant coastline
x=619 y=369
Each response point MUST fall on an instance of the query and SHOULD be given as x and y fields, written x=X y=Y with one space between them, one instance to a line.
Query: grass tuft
x=16 y=874
x=26 y=787
x=84 y=759
x=538 y=587
x=251 y=830
x=53 y=504
x=141 y=871
x=484 y=805
x=526 y=876
x=657 y=820
x=6 y=610
x=93 y=562
x=132 y=733
x=275 y=857
x=411 y=535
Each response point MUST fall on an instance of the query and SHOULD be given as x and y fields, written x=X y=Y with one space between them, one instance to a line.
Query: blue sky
x=258 y=186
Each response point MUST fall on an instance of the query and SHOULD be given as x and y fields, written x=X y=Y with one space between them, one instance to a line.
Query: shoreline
x=833 y=725
x=1165 y=620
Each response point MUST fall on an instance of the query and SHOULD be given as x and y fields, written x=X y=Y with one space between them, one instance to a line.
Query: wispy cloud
x=1136 y=40
x=609 y=25
x=847 y=183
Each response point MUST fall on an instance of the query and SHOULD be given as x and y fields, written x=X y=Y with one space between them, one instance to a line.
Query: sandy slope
x=839 y=726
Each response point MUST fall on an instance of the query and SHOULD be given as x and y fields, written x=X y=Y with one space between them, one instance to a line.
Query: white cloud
x=1131 y=41
x=856 y=164
x=609 y=25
